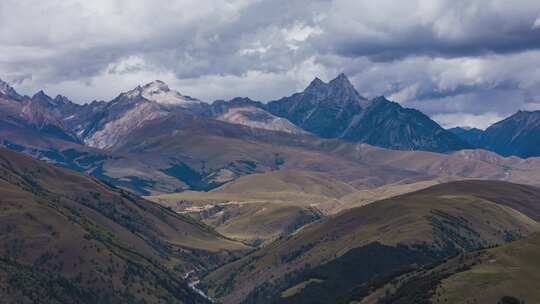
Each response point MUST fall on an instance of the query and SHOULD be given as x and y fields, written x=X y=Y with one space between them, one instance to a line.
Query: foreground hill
x=507 y=274
x=511 y=270
x=339 y=258
x=471 y=135
x=70 y=238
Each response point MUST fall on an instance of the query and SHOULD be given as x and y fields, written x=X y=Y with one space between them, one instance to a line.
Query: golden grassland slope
x=447 y=218
x=504 y=274
x=511 y=270
x=258 y=208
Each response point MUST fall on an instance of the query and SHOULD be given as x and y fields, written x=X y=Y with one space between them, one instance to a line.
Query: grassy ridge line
x=447 y=218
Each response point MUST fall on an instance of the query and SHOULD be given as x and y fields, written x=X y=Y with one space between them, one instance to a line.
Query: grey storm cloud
x=394 y=29
x=462 y=62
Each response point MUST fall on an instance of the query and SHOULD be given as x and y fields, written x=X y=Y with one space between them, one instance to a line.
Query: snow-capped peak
x=159 y=92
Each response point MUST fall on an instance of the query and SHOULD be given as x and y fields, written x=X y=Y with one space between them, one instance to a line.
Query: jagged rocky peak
x=41 y=95
x=42 y=98
x=7 y=91
x=341 y=81
x=316 y=85
x=61 y=99
x=155 y=87
x=383 y=101
x=159 y=92
x=339 y=90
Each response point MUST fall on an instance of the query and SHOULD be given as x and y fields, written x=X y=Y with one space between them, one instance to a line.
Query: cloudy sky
x=463 y=62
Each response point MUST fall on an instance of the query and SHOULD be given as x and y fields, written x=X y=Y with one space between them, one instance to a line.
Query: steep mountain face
x=336 y=110
x=517 y=135
x=472 y=136
x=132 y=109
x=68 y=238
x=250 y=113
x=32 y=114
x=325 y=109
x=165 y=142
x=77 y=118
x=321 y=263
x=7 y=92
x=386 y=124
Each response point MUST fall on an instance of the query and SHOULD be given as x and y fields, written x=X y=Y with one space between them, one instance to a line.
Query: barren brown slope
x=70 y=238
x=204 y=153
x=471 y=164
x=432 y=223
x=180 y=152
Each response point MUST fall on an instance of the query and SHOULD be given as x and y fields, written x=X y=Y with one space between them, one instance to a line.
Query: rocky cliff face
x=325 y=109
x=132 y=109
x=337 y=110
x=386 y=124
x=38 y=113
x=247 y=112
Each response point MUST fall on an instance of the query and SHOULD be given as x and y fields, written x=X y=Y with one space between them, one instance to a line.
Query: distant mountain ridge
x=471 y=135
x=337 y=110
x=322 y=108
x=152 y=139
x=329 y=110
x=517 y=135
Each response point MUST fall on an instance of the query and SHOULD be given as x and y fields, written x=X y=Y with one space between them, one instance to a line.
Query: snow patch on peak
x=156 y=86
x=158 y=91
x=113 y=131
x=254 y=117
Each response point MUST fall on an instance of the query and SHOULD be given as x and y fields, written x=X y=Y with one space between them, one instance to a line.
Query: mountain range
x=320 y=197
x=516 y=135
x=336 y=110
x=139 y=140
x=333 y=110
x=69 y=238
x=328 y=110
